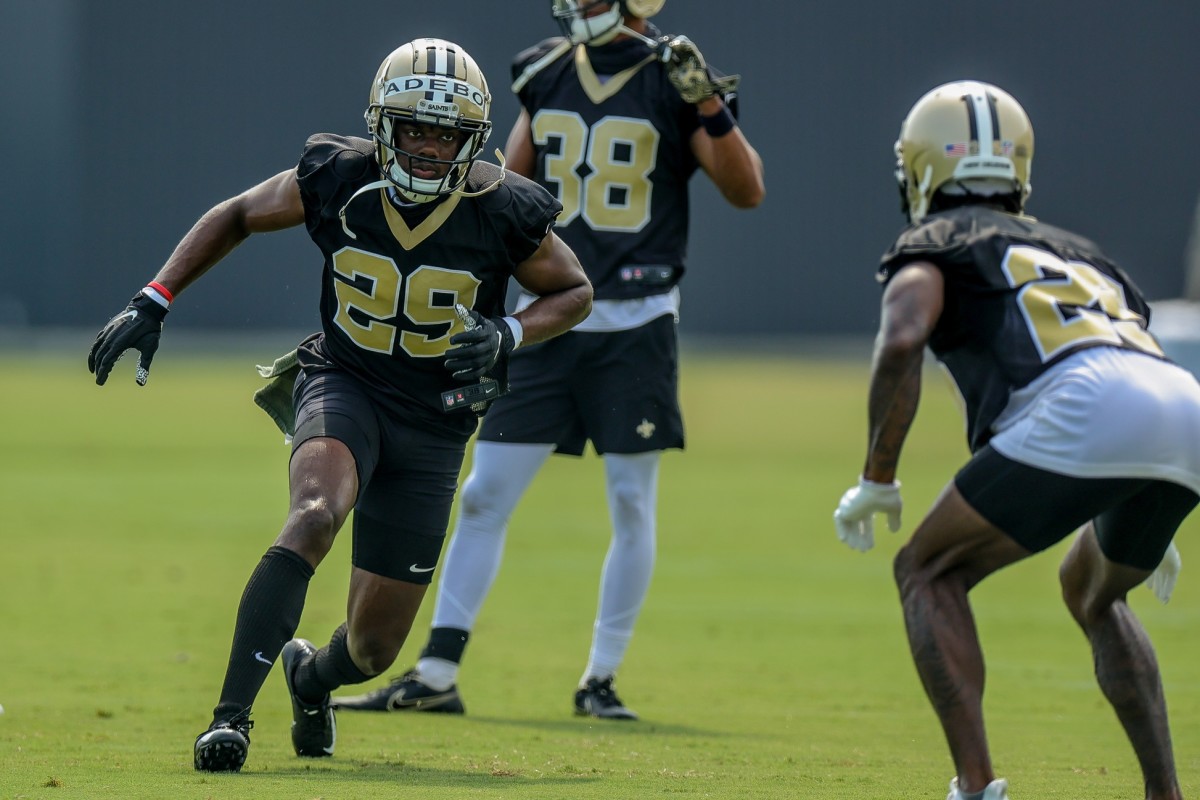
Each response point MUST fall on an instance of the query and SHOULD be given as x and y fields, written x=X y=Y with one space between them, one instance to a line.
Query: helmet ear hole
x=642 y=8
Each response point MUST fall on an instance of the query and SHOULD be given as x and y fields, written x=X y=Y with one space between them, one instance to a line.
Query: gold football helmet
x=433 y=82
x=603 y=27
x=965 y=138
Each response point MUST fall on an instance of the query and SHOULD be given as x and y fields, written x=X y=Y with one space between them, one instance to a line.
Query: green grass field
x=769 y=662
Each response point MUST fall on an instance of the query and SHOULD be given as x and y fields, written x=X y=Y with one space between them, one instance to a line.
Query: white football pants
x=500 y=474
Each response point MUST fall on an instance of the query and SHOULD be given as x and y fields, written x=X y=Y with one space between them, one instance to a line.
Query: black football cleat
x=314 y=729
x=597 y=698
x=223 y=747
x=406 y=693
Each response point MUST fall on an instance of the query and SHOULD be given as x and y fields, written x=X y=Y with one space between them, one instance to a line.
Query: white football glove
x=855 y=514
x=1162 y=580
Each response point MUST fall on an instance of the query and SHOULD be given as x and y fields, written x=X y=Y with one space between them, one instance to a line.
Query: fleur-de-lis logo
x=645 y=429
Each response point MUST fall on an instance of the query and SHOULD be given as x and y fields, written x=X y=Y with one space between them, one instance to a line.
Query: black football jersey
x=612 y=139
x=1020 y=295
x=393 y=275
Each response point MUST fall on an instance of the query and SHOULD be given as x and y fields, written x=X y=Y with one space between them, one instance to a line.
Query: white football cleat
x=996 y=790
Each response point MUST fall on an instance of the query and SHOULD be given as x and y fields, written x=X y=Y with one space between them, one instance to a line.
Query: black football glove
x=688 y=72
x=136 y=328
x=484 y=342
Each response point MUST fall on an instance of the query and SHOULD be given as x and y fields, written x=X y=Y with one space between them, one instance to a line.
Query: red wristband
x=164 y=291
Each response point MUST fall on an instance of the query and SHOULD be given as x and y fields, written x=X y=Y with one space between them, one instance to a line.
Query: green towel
x=276 y=397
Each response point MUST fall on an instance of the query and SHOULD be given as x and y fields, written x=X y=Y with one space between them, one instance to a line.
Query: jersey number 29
x=427 y=297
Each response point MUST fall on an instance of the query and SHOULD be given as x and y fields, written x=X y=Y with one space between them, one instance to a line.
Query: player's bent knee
x=311 y=528
x=912 y=575
x=315 y=516
x=1073 y=586
x=630 y=502
x=1087 y=596
x=915 y=573
x=481 y=497
x=905 y=570
x=1081 y=577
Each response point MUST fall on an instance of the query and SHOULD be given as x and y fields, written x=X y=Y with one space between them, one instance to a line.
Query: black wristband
x=719 y=123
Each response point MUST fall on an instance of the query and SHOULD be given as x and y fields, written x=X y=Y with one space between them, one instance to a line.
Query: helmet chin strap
x=917 y=214
x=385 y=183
x=491 y=187
x=342 y=212
x=659 y=46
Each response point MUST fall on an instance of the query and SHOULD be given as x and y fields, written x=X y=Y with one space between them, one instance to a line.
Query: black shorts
x=407 y=475
x=1135 y=518
x=620 y=390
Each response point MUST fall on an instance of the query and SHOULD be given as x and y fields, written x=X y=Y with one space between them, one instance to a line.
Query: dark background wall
x=123 y=121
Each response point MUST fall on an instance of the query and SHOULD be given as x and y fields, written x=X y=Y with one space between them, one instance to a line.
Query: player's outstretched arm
x=272 y=205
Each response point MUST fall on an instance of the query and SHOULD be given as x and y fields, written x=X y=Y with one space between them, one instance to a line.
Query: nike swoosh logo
x=258 y=656
x=398 y=701
x=131 y=314
x=415 y=568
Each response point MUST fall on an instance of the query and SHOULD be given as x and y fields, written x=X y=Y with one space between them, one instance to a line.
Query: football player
x=615 y=119
x=1075 y=420
x=419 y=239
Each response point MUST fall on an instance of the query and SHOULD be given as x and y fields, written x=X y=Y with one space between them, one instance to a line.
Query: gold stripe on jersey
x=411 y=237
x=596 y=91
x=533 y=69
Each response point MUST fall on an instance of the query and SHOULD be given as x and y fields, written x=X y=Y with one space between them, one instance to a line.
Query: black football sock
x=327 y=669
x=447 y=644
x=266 y=619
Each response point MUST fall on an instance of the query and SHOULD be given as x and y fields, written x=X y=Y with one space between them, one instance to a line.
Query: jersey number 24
x=1066 y=303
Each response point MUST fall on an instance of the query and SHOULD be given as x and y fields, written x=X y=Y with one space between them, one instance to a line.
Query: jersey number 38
x=620 y=153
